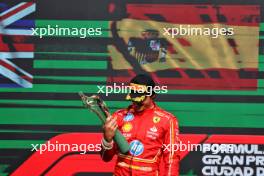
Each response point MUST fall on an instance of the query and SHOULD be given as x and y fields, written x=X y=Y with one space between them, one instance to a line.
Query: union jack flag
x=16 y=49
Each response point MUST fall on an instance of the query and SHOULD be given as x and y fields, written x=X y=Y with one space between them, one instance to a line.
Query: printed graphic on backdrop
x=189 y=46
x=16 y=51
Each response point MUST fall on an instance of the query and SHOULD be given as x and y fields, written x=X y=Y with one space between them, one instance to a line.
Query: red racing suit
x=149 y=134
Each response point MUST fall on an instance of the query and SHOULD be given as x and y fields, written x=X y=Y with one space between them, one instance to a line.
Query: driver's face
x=140 y=106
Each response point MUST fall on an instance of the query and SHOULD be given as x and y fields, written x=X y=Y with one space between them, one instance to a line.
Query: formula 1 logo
x=69 y=163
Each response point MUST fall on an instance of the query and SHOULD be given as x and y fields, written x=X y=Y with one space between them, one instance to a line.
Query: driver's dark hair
x=144 y=79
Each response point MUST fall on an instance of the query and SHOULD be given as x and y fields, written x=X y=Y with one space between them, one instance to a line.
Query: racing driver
x=148 y=129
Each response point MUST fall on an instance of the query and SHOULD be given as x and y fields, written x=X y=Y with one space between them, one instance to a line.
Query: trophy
x=95 y=104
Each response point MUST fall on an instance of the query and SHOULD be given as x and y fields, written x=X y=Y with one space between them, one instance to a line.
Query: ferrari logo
x=156 y=119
